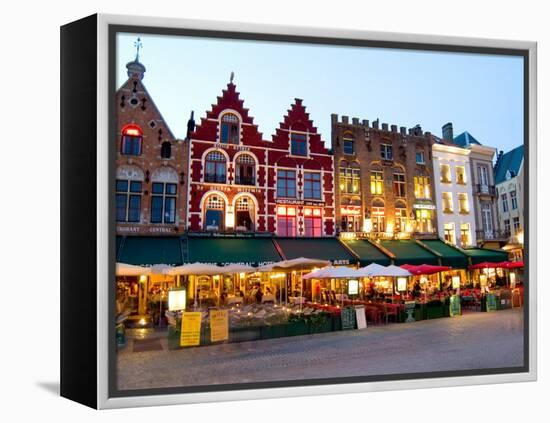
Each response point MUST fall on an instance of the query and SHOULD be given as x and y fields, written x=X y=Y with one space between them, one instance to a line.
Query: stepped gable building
x=385 y=180
x=150 y=163
x=240 y=182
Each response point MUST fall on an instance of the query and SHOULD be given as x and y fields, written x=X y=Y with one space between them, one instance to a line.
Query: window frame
x=165 y=198
x=129 y=194
x=286 y=180
x=213 y=177
x=303 y=143
x=308 y=180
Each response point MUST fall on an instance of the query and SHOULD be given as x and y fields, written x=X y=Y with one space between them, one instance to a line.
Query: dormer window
x=298 y=144
x=230 y=129
x=132 y=136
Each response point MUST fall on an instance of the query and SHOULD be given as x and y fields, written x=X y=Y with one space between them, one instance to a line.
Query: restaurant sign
x=409 y=311
x=219 y=325
x=190 y=329
x=348 y=318
x=423 y=206
x=361 y=317
x=454 y=306
x=491 y=302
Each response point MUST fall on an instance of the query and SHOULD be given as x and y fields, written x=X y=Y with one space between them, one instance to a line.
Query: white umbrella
x=161 y=269
x=397 y=271
x=331 y=272
x=196 y=269
x=125 y=269
x=235 y=268
x=300 y=263
x=372 y=270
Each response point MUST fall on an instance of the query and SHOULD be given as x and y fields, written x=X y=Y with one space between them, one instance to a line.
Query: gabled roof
x=465 y=139
x=510 y=161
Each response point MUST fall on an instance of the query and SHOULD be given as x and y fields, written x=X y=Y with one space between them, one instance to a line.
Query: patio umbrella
x=424 y=269
x=373 y=270
x=161 y=269
x=484 y=265
x=196 y=269
x=124 y=269
x=510 y=264
x=331 y=272
x=235 y=268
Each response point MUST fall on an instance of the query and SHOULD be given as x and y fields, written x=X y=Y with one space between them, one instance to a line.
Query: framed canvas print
x=254 y=211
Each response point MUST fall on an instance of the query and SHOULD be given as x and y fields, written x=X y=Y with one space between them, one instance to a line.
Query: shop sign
x=231 y=146
x=491 y=302
x=409 y=311
x=356 y=211
x=361 y=318
x=219 y=325
x=190 y=329
x=424 y=206
x=127 y=228
x=340 y=262
x=454 y=306
x=348 y=318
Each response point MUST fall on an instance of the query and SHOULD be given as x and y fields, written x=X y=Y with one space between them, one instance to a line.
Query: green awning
x=149 y=250
x=219 y=250
x=409 y=252
x=367 y=252
x=316 y=248
x=450 y=256
x=479 y=255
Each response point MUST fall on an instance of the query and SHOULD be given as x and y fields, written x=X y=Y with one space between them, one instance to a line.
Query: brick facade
x=234 y=173
x=147 y=154
x=376 y=169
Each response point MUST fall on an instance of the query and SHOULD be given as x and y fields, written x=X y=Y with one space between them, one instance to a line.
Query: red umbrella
x=511 y=264
x=424 y=269
x=484 y=265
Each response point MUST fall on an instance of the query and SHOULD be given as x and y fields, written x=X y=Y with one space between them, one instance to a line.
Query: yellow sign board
x=190 y=329
x=219 y=325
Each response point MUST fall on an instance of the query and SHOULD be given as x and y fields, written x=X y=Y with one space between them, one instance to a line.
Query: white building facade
x=454 y=194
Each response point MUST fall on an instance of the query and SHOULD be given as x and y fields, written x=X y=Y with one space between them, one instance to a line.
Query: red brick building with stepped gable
x=239 y=182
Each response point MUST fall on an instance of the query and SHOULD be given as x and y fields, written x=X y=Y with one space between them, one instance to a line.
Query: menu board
x=219 y=325
x=360 y=316
x=454 y=306
x=491 y=302
x=348 y=318
x=516 y=298
x=190 y=329
x=409 y=311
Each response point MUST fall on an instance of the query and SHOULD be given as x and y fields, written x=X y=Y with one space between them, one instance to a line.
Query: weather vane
x=231 y=77
x=138 y=45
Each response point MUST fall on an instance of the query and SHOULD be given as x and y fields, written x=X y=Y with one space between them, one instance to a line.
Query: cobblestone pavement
x=473 y=341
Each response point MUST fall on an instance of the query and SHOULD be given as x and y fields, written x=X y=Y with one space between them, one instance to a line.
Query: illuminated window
x=424 y=221
x=400 y=218
x=422 y=187
x=351 y=219
x=244 y=214
x=507 y=227
x=460 y=175
x=245 y=170
x=349 y=178
x=286 y=183
x=386 y=152
x=517 y=225
x=215 y=168
x=378 y=218
x=163 y=202
x=399 y=184
x=445 y=173
x=447 y=202
x=463 y=206
x=449 y=231
x=128 y=200
x=132 y=137
x=286 y=221
x=298 y=144
x=230 y=129
x=465 y=238
x=349 y=143
x=313 y=221
x=312 y=185
x=376 y=183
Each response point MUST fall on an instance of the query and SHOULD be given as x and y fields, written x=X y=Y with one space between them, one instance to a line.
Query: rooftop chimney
x=447 y=131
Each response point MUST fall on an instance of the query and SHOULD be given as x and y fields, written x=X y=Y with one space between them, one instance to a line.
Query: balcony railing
x=245 y=180
x=215 y=178
x=492 y=235
x=485 y=189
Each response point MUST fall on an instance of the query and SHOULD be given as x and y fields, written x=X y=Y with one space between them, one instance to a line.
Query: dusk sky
x=481 y=94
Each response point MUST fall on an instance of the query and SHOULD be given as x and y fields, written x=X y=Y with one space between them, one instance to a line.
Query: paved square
x=473 y=341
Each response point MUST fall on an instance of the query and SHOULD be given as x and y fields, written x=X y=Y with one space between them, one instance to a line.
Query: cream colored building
x=453 y=192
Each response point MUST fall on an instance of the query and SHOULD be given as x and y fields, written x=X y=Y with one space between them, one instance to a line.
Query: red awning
x=484 y=265
x=425 y=269
x=511 y=264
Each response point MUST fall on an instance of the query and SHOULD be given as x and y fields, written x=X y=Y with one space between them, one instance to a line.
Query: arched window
x=378 y=216
x=215 y=168
x=132 y=137
x=166 y=150
x=230 y=129
x=245 y=170
x=350 y=178
x=163 y=195
x=244 y=214
x=214 y=213
x=349 y=143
